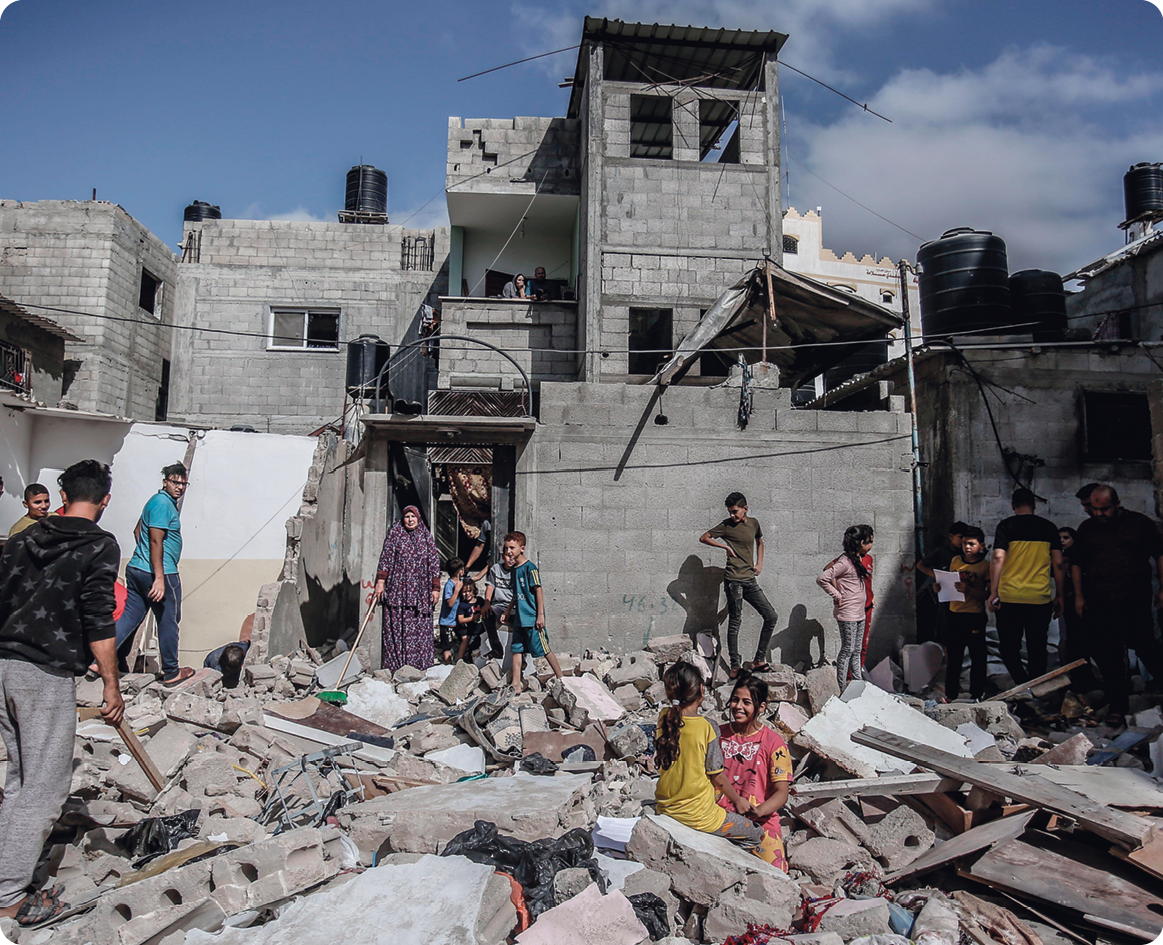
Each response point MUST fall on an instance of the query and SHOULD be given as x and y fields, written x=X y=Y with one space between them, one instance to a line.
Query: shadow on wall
x=795 y=641
x=696 y=590
x=328 y=613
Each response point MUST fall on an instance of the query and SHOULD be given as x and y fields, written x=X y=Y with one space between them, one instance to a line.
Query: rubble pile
x=439 y=807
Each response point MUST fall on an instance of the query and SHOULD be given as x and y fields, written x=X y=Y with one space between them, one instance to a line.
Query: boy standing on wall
x=526 y=611
x=742 y=539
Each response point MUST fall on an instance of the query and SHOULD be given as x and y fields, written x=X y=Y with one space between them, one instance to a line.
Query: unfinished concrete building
x=92 y=268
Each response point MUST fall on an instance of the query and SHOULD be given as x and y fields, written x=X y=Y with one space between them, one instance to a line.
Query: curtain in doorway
x=472 y=494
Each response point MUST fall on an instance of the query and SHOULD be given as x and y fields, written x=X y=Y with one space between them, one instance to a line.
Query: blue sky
x=1018 y=116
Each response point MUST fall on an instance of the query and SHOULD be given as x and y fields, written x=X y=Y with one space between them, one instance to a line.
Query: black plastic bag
x=537 y=763
x=533 y=865
x=156 y=836
x=651 y=912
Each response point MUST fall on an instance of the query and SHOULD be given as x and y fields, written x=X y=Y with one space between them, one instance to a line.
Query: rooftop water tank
x=367 y=190
x=367 y=358
x=1143 y=191
x=200 y=210
x=964 y=283
x=1038 y=297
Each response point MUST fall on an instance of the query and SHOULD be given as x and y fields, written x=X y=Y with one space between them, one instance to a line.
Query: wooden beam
x=1029 y=683
x=891 y=785
x=1116 y=826
x=141 y=756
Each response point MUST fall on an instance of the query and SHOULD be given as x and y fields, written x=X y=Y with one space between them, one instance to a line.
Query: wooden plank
x=1114 y=787
x=979 y=838
x=1149 y=857
x=1018 y=690
x=1113 y=825
x=1124 y=742
x=139 y=753
x=1048 y=876
x=955 y=817
x=891 y=785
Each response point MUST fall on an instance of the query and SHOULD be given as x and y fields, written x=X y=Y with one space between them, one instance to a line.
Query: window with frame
x=1116 y=426
x=302 y=329
x=718 y=131
x=651 y=338
x=887 y=296
x=149 y=297
x=652 y=127
x=791 y=245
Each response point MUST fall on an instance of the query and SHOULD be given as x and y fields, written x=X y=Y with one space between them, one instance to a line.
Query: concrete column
x=771 y=121
x=685 y=118
x=590 y=311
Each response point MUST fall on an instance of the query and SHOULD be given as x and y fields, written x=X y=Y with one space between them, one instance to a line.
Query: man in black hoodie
x=56 y=614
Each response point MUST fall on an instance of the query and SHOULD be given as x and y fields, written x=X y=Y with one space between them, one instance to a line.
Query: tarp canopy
x=807 y=312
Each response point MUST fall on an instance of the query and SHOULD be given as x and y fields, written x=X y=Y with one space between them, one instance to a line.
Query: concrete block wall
x=540 y=336
x=614 y=517
x=503 y=155
x=225 y=380
x=88 y=256
x=47 y=352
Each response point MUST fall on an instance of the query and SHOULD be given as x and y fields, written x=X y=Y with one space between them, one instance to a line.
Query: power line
x=518 y=62
x=862 y=105
x=857 y=202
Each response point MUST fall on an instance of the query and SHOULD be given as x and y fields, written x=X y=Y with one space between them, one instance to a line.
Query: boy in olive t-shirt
x=742 y=539
x=966 y=620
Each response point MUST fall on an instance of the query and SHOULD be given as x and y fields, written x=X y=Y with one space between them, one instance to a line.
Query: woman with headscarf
x=408 y=583
x=516 y=288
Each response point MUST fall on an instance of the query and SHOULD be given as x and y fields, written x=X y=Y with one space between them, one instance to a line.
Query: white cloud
x=1023 y=146
x=300 y=215
x=424 y=216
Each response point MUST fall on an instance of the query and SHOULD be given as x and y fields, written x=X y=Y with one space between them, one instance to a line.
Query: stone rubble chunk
x=899 y=838
x=460 y=684
x=669 y=648
x=781 y=684
x=628 y=740
x=567 y=883
x=825 y=859
x=170 y=748
x=637 y=669
x=853 y=918
x=822 y=686
x=732 y=913
x=1073 y=751
x=586 y=700
x=587 y=919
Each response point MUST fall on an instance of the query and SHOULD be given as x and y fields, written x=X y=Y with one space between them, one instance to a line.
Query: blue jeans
x=167 y=612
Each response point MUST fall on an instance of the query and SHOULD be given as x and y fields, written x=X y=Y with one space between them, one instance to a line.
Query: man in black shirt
x=1111 y=566
x=56 y=614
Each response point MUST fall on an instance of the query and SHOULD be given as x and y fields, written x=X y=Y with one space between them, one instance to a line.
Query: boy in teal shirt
x=526 y=611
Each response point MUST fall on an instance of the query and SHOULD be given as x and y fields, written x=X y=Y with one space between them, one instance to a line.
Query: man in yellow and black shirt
x=1027 y=552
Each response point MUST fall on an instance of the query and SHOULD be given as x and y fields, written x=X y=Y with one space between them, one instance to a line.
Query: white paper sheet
x=945 y=589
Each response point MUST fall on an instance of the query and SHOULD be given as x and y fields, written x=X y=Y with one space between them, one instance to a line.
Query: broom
x=334 y=695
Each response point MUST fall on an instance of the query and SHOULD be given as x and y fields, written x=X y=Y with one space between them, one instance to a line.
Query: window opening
x=1117 y=426
x=298 y=329
x=718 y=131
x=651 y=127
x=150 y=284
x=651 y=338
x=791 y=245
x=162 y=408
x=886 y=297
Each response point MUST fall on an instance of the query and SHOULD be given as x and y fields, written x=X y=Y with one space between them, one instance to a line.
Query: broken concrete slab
x=628 y=740
x=170 y=748
x=377 y=701
x=423 y=819
x=1073 y=751
x=434 y=901
x=829 y=732
x=637 y=669
x=669 y=648
x=790 y=718
x=825 y=859
x=618 y=872
x=822 y=686
x=586 y=700
x=781 y=684
x=568 y=882
x=467 y=758
x=460 y=683
x=853 y=918
x=899 y=837
x=733 y=912
x=701 y=866
x=587 y=918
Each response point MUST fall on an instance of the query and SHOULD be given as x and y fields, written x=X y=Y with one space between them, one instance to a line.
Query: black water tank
x=1038 y=296
x=367 y=190
x=367 y=357
x=1143 y=190
x=863 y=359
x=200 y=210
x=964 y=283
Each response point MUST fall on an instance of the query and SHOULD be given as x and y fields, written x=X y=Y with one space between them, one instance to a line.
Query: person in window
x=516 y=288
x=540 y=288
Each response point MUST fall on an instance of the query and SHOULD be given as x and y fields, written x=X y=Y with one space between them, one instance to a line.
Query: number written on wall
x=644 y=604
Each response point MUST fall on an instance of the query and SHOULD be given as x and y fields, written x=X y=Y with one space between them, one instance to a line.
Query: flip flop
x=761 y=666
x=183 y=674
x=44 y=907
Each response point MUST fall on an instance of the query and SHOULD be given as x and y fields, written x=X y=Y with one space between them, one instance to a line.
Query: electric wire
x=857 y=202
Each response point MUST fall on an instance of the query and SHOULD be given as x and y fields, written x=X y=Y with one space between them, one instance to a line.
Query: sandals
x=44 y=907
x=183 y=674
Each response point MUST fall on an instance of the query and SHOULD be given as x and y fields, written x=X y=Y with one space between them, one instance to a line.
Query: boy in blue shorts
x=526 y=611
x=449 y=602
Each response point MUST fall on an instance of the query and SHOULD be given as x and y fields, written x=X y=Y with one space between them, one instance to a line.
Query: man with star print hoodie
x=56 y=616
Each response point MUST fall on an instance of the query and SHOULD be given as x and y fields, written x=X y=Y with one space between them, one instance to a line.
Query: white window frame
x=304 y=311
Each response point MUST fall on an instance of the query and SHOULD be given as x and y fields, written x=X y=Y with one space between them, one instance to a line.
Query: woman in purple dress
x=408 y=583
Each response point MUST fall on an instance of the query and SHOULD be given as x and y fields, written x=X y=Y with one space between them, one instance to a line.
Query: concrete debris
x=422 y=755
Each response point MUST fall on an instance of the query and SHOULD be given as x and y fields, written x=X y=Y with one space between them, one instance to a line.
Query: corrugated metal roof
x=44 y=324
x=657 y=54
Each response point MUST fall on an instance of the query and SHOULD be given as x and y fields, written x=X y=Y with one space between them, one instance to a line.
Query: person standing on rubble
x=1027 y=552
x=742 y=539
x=152 y=578
x=1110 y=565
x=848 y=581
x=408 y=583
x=56 y=606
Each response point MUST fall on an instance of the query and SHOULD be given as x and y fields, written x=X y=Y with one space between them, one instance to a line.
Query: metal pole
x=918 y=526
x=770 y=307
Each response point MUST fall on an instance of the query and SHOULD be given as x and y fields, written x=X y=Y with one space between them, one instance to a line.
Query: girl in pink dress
x=758 y=763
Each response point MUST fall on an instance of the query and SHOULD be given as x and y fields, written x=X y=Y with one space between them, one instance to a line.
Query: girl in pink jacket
x=848 y=581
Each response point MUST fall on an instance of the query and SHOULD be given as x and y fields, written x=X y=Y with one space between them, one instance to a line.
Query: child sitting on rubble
x=469 y=621
x=689 y=756
x=526 y=612
x=449 y=602
x=757 y=763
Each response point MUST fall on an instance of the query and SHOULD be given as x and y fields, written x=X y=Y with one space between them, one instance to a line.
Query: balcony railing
x=15 y=368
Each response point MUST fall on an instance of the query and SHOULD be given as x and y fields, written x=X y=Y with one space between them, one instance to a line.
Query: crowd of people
x=1100 y=579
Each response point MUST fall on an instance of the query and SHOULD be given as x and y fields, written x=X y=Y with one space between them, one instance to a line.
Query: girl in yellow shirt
x=690 y=761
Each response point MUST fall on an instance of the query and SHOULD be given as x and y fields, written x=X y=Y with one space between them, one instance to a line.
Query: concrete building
x=284 y=298
x=89 y=266
x=32 y=355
